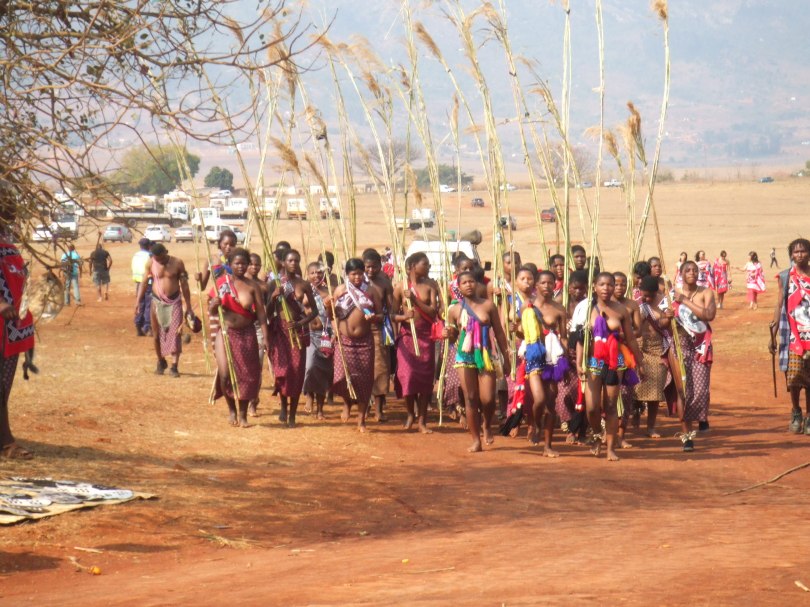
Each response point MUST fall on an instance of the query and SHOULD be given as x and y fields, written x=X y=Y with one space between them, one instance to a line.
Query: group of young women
x=717 y=276
x=589 y=366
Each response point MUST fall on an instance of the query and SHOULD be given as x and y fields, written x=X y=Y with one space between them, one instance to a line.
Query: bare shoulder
x=339 y=290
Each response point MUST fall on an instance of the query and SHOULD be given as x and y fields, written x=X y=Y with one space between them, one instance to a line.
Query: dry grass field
x=322 y=515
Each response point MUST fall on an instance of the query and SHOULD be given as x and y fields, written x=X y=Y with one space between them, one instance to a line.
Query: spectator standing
x=72 y=271
x=100 y=263
x=143 y=324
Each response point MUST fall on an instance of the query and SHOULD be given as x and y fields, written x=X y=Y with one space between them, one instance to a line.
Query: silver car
x=117 y=233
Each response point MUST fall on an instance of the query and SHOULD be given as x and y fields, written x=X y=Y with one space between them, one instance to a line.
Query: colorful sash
x=798 y=312
x=699 y=331
x=18 y=335
x=225 y=288
x=354 y=297
x=474 y=340
x=610 y=352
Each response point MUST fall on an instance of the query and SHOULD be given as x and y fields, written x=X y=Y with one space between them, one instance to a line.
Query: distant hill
x=740 y=87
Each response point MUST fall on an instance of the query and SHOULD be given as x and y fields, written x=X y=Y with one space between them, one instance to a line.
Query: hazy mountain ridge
x=736 y=64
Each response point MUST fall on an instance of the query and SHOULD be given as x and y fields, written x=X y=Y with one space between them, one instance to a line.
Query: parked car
x=184 y=234
x=585 y=184
x=212 y=232
x=446 y=189
x=157 y=233
x=240 y=235
x=549 y=215
x=510 y=221
x=766 y=180
x=117 y=233
x=42 y=233
x=508 y=187
x=613 y=183
x=477 y=202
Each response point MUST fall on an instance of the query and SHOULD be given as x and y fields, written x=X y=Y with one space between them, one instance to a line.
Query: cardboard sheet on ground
x=28 y=499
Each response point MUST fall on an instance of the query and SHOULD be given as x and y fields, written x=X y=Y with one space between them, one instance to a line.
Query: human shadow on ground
x=19 y=562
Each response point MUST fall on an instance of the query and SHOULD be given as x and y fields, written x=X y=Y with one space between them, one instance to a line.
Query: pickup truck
x=296 y=208
x=613 y=183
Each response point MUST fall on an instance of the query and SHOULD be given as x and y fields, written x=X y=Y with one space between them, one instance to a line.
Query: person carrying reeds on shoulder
x=500 y=291
x=471 y=321
x=225 y=244
x=453 y=396
x=253 y=274
x=236 y=348
x=694 y=309
x=382 y=332
x=542 y=353
x=661 y=369
x=579 y=257
x=414 y=377
x=570 y=405
x=357 y=308
x=627 y=393
x=320 y=351
x=557 y=266
x=791 y=322
x=292 y=307
x=611 y=360
x=169 y=291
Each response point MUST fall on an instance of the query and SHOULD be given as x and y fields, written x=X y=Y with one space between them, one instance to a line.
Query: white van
x=441 y=256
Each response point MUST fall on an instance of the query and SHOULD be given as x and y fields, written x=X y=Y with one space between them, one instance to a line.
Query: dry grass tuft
x=427 y=40
x=411 y=177
x=661 y=7
x=288 y=157
x=634 y=126
x=610 y=144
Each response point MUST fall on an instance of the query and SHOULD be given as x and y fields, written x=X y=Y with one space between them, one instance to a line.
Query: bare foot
x=243 y=422
x=463 y=421
x=320 y=416
x=488 y=438
x=232 y=419
x=653 y=433
x=344 y=415
x=424 y=429
x=611 y=456
x=308 y=407
x=253 y=410
x=571 y=439
x=362 y=428
x=625 y=445
x=532 y=436
x=380 y=417
x=282 y=417
x=514 y=432
x=476 y=447
x=596 y=445
x=408 y=422
x=292 y=424
x=549 y=452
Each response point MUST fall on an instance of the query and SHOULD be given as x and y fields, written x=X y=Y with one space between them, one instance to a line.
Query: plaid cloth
x=784 y=326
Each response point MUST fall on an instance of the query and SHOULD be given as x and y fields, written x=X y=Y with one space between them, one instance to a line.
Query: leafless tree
x=80 y=77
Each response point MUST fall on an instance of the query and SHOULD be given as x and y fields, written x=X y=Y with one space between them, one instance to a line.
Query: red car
x=548 y=215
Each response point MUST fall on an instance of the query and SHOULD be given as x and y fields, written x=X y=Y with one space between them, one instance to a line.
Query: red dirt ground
x=322 y=515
